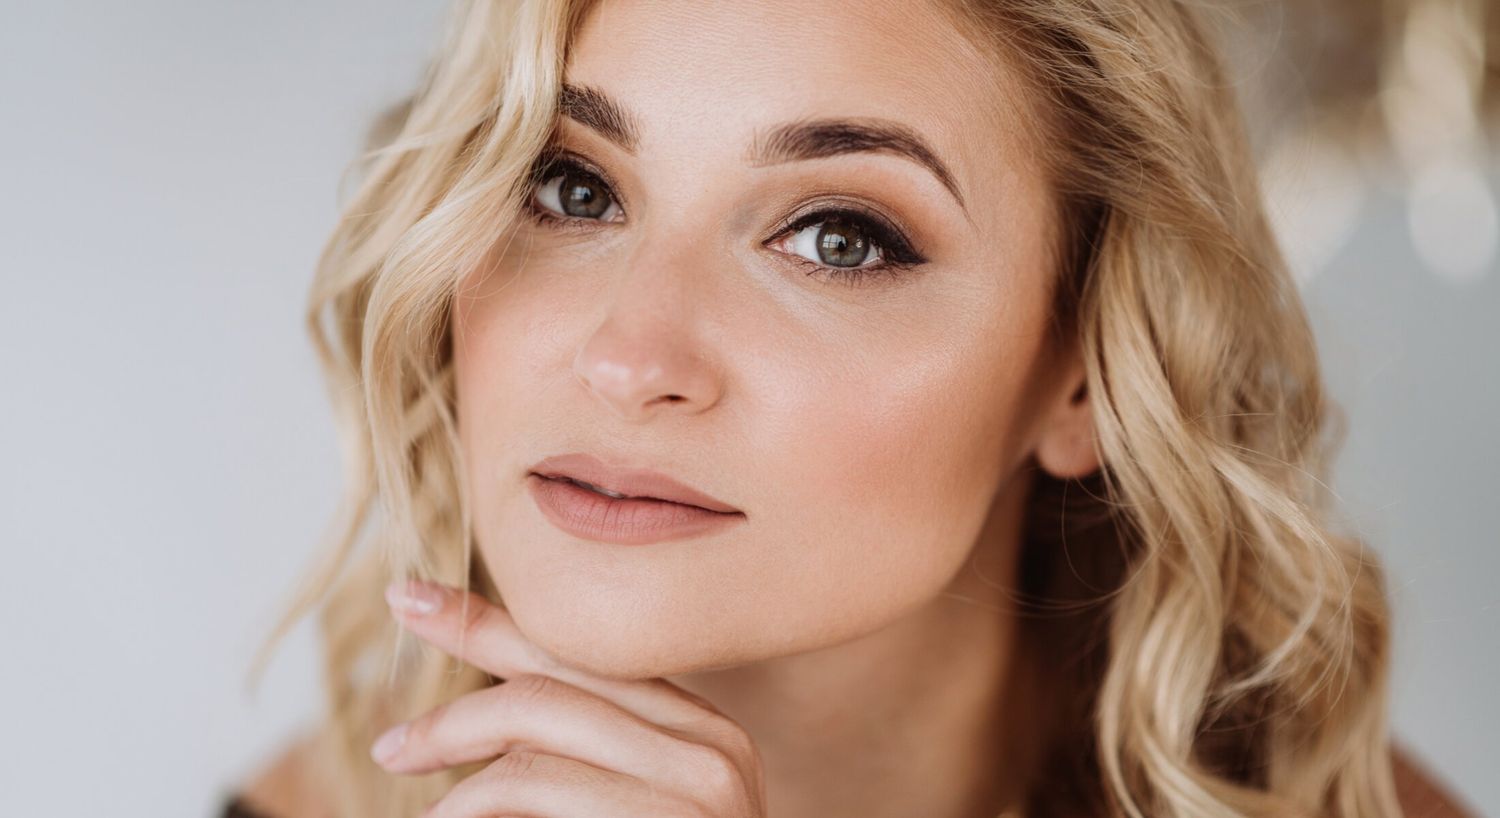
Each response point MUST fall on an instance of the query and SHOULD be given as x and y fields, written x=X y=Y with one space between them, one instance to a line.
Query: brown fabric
x=235 y=807
x=291 y=785
x=1422 y=793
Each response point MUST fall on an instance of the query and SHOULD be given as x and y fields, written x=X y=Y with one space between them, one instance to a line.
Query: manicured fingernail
x=385 y=748
x=413 y=597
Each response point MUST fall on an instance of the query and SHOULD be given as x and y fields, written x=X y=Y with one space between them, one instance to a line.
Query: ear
x=1065 y=445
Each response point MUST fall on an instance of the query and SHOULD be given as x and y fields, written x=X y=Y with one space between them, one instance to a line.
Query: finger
x=542 y=714
x=548 y=786
x=470 y=627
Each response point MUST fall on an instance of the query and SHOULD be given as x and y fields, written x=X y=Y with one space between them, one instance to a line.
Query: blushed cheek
x=921 y=432
x=898 y=474
x=504 y=369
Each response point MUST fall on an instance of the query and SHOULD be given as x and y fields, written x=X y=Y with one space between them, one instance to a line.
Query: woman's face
x=864 y=388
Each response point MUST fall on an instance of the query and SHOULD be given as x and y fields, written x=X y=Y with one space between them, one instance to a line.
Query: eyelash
x=898 y=253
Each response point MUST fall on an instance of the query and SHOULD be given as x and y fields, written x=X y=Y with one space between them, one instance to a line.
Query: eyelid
x=834 y=202
x=551 y=158
x=889 y=233
x=900 y=250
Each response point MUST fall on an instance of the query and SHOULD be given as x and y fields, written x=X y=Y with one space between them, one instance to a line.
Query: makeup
x=587 y=513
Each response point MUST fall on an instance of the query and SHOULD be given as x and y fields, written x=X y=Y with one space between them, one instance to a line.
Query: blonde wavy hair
x=1212 y=647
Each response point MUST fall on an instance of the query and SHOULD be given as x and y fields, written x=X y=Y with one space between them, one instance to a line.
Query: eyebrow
x=794 y=141
x=591 y=107
x=819 y=138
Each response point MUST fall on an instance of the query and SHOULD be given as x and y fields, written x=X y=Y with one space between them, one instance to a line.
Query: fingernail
x=413 y=597
x=385 y=748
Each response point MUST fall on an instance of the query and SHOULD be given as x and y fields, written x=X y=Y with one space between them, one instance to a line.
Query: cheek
x=506 y=331
x=891 y=468
x=867 y=476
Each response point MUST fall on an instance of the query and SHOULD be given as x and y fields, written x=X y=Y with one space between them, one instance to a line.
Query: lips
x=641 y=483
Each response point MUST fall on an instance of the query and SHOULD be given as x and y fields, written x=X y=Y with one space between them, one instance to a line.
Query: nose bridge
x=648 y=349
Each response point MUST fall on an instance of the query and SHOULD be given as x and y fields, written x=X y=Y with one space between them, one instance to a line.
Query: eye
x=847 y=244
x=836 y=243
x=566 y=189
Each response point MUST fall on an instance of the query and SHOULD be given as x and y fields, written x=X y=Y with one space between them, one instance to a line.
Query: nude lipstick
x=588 y=498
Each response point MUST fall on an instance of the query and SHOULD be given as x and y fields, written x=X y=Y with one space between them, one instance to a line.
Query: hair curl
x=1224 y=653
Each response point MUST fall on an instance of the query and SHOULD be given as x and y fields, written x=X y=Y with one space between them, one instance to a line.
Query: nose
x=648 y=354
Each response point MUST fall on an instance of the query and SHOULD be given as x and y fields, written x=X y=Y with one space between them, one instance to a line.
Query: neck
x=912 y=719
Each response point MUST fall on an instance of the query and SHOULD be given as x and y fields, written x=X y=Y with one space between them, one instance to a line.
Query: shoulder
x=1421 y=792
x=290 y=784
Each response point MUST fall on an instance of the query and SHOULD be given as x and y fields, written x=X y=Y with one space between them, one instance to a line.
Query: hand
x=570 y=744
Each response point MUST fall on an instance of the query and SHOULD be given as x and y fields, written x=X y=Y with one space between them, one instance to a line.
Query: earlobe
x=1067 y=448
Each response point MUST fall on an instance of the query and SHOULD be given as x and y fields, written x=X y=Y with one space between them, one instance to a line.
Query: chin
x=617 y=642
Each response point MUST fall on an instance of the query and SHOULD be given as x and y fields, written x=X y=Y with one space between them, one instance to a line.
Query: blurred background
x=170 y=168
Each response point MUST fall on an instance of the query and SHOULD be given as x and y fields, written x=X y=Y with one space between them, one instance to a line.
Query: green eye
x=836 y=243
x=847 y=244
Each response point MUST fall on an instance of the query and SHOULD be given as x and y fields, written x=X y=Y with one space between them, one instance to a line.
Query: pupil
x=581 y=196
x=841 y=245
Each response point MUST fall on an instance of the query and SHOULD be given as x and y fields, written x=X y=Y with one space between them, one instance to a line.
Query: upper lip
x=631 y=482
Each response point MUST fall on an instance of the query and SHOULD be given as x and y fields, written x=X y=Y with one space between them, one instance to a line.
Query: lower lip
x=628 y=521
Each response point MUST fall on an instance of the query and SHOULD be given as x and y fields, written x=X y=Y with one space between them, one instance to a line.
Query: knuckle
x=425 y=727
x=736 y=739
x=716 y=771
x=727 y=734
x=530 y=687
x=512 y=765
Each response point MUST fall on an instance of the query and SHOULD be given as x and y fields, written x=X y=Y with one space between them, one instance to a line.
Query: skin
x=880 y=438
x=847 y=650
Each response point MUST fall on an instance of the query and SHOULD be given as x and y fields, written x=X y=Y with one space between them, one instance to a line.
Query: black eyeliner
x=898 y=253
x=898 y=249
x=552 y=159
x=548 y=163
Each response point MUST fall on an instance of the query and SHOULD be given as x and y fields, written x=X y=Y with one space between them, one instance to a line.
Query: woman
x=830 y=409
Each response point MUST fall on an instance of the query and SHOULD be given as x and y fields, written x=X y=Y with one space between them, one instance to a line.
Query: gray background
x=168 y=171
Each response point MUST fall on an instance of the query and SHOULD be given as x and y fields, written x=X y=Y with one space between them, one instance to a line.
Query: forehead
x=715 y=73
